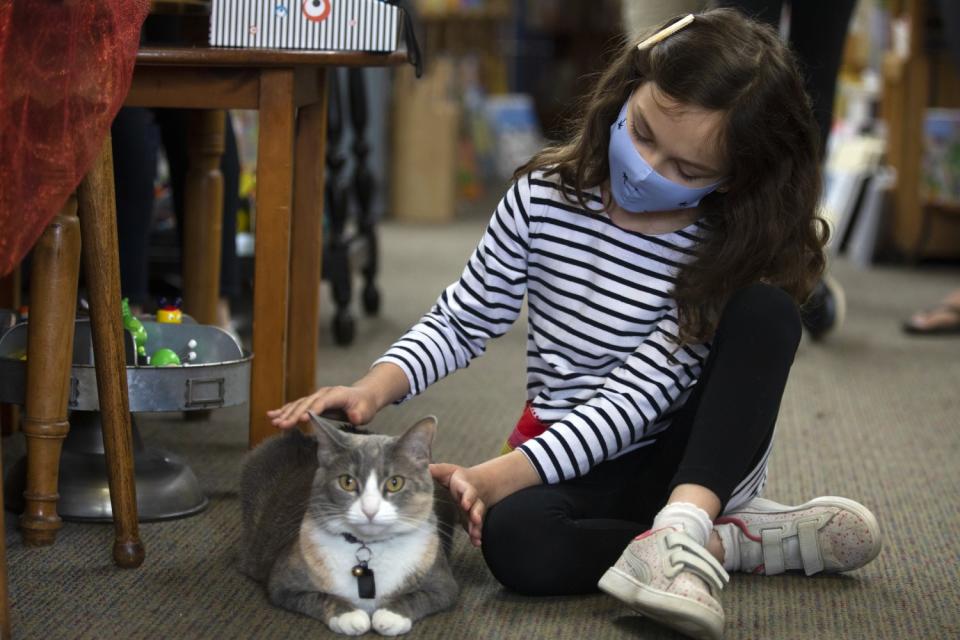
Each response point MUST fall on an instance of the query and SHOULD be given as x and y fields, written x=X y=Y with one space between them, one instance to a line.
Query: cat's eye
x=395 y=483
x=347 y=483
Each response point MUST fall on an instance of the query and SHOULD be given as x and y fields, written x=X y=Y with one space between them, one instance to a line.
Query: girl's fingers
x=316 y=402
x=475 y=527
x=465 y=494
x=468 y=498
x=288 y=410
x=277 y=416
x=476 y=513
x=475 y=537
x=278 y=413
x=442 y=472
x=296 y=411
x=287 y=418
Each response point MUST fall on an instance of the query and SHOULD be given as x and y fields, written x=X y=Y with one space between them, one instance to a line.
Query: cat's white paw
x=388 y=623
x=352 y=623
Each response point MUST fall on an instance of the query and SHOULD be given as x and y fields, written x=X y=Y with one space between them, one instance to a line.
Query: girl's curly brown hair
x=764 y=226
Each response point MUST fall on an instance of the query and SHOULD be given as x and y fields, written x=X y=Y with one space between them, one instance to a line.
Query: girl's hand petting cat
x=361 y=401
x=358 y=403
x=464 y=491
x=478 y=488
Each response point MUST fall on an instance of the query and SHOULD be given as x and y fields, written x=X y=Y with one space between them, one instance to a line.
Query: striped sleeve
x=482 y=304
x=632 y=400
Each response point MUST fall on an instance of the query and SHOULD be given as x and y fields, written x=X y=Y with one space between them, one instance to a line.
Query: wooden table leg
x=272 y=261
x=306 y=244
x=53 y=300
x=101 y=264
x=203 y=215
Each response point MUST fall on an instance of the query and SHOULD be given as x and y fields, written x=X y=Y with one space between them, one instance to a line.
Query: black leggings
x=559 y=539
x=137 y=134
x=818 y=33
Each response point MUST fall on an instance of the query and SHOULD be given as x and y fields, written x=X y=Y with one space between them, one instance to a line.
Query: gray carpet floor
x=870 y=414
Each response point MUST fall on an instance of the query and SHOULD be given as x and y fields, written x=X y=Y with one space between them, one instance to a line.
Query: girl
x=662 y=252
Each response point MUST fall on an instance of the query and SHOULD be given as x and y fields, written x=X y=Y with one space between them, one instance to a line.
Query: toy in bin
x=170 y=312
x=166 y=357
x=134 y=326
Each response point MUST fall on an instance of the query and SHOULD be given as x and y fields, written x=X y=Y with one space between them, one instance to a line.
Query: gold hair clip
x=666 y=32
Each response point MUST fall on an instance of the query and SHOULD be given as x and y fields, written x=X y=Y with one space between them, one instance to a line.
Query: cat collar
x=366 y=586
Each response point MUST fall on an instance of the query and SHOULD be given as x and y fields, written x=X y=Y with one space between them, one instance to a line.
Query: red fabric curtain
x=65 y=69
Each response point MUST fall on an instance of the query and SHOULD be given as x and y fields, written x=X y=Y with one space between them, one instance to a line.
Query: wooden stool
x=53 y=299
x=289 y=88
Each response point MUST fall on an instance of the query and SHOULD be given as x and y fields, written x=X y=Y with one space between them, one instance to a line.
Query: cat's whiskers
x=444 y=528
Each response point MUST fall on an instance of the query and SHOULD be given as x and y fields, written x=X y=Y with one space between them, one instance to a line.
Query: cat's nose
x=369 y=509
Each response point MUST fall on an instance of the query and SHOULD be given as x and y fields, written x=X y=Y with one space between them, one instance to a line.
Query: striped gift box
x=345 y=25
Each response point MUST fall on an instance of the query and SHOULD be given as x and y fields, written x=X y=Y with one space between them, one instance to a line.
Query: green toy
x=134 y=326
x=164 y=358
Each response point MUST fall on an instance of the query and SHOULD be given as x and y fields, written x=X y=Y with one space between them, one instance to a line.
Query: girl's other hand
x=464 y=492
x=358 y=403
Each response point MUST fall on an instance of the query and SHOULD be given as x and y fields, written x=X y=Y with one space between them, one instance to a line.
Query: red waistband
x=528 y=426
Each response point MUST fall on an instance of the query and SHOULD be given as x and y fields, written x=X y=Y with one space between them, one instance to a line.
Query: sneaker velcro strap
x=696 y=564
x=810 y=547
x=773 y=562
x=696 y=558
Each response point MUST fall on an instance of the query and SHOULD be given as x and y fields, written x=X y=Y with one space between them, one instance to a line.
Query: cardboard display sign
x=343 y=25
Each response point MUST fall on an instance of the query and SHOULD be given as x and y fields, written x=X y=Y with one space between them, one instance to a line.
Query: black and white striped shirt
x=602 y=367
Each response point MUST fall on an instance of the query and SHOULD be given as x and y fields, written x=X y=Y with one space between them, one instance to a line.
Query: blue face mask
x=635 y=185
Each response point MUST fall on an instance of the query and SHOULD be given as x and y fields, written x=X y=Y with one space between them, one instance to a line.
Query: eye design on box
x=316 y=10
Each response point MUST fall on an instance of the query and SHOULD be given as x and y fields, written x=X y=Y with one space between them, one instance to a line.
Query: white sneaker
x=827 y=534
x=666 y=575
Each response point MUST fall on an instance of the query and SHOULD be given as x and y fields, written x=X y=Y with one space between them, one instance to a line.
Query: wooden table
x=289 y=88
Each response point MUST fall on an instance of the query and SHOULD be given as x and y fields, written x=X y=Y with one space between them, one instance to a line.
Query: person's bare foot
x=944 y=318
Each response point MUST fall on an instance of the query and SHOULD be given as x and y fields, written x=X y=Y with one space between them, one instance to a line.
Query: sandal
x=950 y=326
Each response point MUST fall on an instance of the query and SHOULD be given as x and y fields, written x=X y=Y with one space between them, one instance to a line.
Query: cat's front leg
x=351 y=623
x=338 y=614
x=435 y=592
x=390 y=623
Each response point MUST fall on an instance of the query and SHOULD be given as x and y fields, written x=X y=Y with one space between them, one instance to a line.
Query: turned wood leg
x=272 y=261
x=101 y=265
x=306 y=243
x=203 y=215
x=53 y=299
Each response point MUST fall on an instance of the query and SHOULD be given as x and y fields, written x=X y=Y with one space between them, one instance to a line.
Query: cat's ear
x=417 y=440
x=327 y=433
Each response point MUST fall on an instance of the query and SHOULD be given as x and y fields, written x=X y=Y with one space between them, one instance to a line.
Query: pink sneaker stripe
x=740 y=523
x=649 y=532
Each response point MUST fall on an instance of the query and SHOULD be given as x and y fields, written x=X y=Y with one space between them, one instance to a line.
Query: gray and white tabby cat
x=343 y=527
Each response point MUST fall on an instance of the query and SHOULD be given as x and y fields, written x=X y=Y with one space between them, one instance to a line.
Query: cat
x=319 y=509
